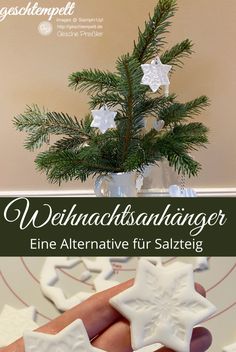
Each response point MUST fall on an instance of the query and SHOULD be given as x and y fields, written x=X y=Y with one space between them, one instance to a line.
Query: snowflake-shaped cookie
x=163 y=306
x=73 y=338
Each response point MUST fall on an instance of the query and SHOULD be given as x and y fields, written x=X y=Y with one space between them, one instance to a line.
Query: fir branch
x=175 y=145
x=153 y=106
x=40 y=124
x=68 y=165
x=177 y=53
x=151 y=40
x=93 y=81
x=184 y=164
x=129 y=86
x=191 y=135
x=177 y=155
x=129 y=78
x=67 y=143
x=61 y=166
x=178 y=112
x=110 y=99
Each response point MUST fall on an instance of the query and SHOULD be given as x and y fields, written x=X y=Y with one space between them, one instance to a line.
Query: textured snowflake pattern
x=163 y=306
x=103 y=119
x=156 y=75
x=73 y=338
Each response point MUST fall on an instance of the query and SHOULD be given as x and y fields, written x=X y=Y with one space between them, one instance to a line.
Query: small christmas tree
x=83 y=150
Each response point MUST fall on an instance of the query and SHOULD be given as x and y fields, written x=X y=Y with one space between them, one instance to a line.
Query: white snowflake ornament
x=49 y=276
x=156 y=75
x=73 y=338
x=103 y=119
x=163 y=306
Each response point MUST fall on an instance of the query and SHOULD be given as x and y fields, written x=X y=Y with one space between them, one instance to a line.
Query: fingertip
x=200 y=289
x=201 y=340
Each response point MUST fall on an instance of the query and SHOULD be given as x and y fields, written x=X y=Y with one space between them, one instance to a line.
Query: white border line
x=202 y=192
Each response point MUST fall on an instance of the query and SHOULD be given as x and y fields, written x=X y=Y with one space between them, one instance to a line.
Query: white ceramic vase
x=118 y=185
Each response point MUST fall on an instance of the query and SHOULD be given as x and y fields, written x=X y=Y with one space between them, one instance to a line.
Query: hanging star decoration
x=73 y=338
x=163 y=306
x=156 y=75
x=103 y=119
x=13 y=322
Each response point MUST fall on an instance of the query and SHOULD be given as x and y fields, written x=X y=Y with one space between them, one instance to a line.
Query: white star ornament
x=163 y=306
x=156 y=75
x=103 y=119
x=48 y=278
x=73 y=338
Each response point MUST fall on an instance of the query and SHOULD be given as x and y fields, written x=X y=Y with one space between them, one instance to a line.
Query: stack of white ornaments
x=163 y=306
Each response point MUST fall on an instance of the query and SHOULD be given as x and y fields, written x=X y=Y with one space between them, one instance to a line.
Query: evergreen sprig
x=152 y=39
x=93 y=81
x=177 y=53
x=41 y=124
x=178 y=112
x=81 y=151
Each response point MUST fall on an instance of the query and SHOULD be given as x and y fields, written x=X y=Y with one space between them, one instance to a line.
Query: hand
x=106 y=326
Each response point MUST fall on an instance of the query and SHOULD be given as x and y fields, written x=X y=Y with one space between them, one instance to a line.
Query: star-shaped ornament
x=49 y=276
x=230 y=348
x=156 y=75
x=163 y=306
x=103 y=119
x=13 y=322
x=73 y=338
x=103 y=266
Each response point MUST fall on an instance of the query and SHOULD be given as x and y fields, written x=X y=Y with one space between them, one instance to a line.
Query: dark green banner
x=118 y=226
